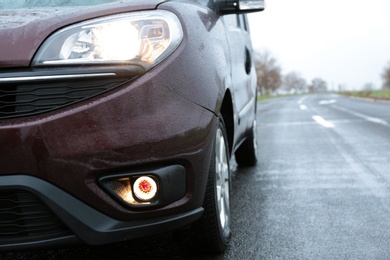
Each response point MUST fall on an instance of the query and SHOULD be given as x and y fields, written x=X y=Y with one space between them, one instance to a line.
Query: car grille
x=23 y=218
x=31 y=93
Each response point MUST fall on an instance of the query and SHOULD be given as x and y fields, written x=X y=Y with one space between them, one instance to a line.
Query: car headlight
x=139 y=38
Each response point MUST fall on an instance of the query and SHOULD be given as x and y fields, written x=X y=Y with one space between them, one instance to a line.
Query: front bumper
x=59 y=157
x=73 y=221
x=140 y=123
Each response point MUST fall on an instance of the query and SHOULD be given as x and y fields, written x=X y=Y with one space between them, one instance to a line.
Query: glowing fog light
x=145 y=188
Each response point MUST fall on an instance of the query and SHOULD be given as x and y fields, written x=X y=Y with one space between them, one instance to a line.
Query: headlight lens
x=139 y=38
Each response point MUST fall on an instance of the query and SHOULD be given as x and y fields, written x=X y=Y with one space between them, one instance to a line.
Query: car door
x=242 y=70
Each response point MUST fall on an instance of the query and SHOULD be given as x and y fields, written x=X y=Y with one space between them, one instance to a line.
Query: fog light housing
x=147 y=188
x=134 y=190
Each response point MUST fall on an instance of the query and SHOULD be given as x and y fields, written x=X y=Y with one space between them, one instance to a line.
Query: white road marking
x=302 y=107
x=323 y=122
x=300 y=103
x=368 y=118
x=327 y=102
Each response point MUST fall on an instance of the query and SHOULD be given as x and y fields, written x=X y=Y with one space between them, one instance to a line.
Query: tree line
x=271 y=80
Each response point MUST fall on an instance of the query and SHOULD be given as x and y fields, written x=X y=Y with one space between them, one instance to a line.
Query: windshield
x=18 y=4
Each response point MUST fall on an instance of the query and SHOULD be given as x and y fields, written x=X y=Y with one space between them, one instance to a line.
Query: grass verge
x=375 y=94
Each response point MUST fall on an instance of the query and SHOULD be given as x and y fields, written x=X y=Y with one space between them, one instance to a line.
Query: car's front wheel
x=215 y=225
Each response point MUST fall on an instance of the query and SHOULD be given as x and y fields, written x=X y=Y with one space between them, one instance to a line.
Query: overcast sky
x=344 y=42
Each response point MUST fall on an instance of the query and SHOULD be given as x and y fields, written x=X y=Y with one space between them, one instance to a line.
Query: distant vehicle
x=118 y=118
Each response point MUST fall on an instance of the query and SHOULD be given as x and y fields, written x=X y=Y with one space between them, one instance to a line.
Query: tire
x=215 y=224
x=246 y=155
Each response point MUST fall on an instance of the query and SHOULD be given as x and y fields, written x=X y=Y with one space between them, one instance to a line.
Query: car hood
x=22 y=31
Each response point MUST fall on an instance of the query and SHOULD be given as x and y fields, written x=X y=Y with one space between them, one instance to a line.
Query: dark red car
x=118 y=118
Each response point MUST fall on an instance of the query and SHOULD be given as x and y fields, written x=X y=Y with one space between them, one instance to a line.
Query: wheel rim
x=222 y=183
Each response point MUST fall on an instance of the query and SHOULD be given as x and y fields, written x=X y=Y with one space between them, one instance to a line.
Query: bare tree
x=318 y=85
x=294 y=83
x=386 y=77
x=269 y=77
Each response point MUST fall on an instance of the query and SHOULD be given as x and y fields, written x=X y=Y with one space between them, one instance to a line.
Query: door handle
x=248 y=61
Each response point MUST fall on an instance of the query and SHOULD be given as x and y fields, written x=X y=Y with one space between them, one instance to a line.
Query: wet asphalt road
x=321 y=189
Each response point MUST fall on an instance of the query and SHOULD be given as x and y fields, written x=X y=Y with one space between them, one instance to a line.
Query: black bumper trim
x=89 y=225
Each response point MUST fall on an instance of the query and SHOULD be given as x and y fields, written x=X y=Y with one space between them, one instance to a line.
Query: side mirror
x=240 y=6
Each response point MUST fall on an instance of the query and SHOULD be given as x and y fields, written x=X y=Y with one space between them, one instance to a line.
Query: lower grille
x=23 y=218
x=29 y=99
x=34 y=92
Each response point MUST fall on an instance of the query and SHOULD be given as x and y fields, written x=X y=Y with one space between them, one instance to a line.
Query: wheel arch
x=228 y=118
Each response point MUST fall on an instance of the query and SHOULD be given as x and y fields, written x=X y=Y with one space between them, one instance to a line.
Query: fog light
x=145 y=188
x=148 y=188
